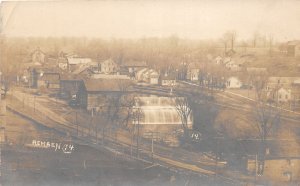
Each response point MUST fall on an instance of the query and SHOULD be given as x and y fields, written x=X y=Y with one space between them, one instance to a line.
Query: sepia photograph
x=149 y=93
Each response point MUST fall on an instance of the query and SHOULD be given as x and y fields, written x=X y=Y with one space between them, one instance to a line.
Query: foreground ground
x=25 y=165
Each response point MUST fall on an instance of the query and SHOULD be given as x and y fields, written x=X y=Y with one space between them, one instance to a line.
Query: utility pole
x=34 y=104
x=91 y=123
x=137 y=126
x=138 y=134
x=2 y=113
x=131 y=144
x=76 y=122
x=23 y=100
x=2 y=126
x=255 y=167
x=152 y=148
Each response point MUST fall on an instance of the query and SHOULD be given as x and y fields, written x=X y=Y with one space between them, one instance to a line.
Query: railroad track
x=118 y=146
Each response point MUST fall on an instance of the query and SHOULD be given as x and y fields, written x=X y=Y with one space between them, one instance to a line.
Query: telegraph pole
x=152 y=152
x=2 y=126
x=138 y=134
x=34 y=104
x=76 y=122
x=2 y=112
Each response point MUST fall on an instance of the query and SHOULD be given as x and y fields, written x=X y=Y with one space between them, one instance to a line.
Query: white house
x=38 y=56
x=193 y=72
x=233 y=82
x=74 y=62
x=168 y=79
x=293 y=48
x=226 y=60
x=234 y=66
x=109 y=67
x=148 y=76
x=63 y=66
x=284 y=95
x=218 y=60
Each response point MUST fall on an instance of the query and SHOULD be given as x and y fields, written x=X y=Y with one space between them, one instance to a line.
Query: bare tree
x=230 y=36
x=233 y=39
x=267 y=119
x=117 y=103
x=128 y=103
x=184 y=110
x=224 y=41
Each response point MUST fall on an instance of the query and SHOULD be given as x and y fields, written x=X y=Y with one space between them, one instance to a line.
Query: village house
x=108 y=76
x=226 y=60
x=94 y=93
x=218 y=60
x=230 y=52
x=83 y=69
x=293 y=48
x=283 y=89
x=38 y=57
x=37 y=76
x=62 y=63
x=296 y=93
x=233 y=82
x=132 y=66
x=147 y=75
x=51 y=62
x=233 y=65
x=193 y=71
x=182 y=71
x=168 y=79
x=283 y=95
x=74 y=62
x=49 y=80
x=109 y=66
x=69 y=87
x=30 y=77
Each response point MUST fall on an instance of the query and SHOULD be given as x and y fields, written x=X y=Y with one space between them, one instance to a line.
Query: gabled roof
x=230 y=52
x=147 y=71
x=81 y=68
x=37 y=50
x=105 y=85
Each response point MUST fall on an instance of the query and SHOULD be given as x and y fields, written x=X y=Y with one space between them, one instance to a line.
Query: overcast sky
x=203 y=19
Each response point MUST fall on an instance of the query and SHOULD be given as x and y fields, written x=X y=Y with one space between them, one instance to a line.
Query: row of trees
x=158 y=52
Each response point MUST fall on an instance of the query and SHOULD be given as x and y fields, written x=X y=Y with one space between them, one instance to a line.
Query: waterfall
x=159 y=111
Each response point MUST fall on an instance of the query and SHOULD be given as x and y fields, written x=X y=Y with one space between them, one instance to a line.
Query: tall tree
x=184 y=110
x=267 y=119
